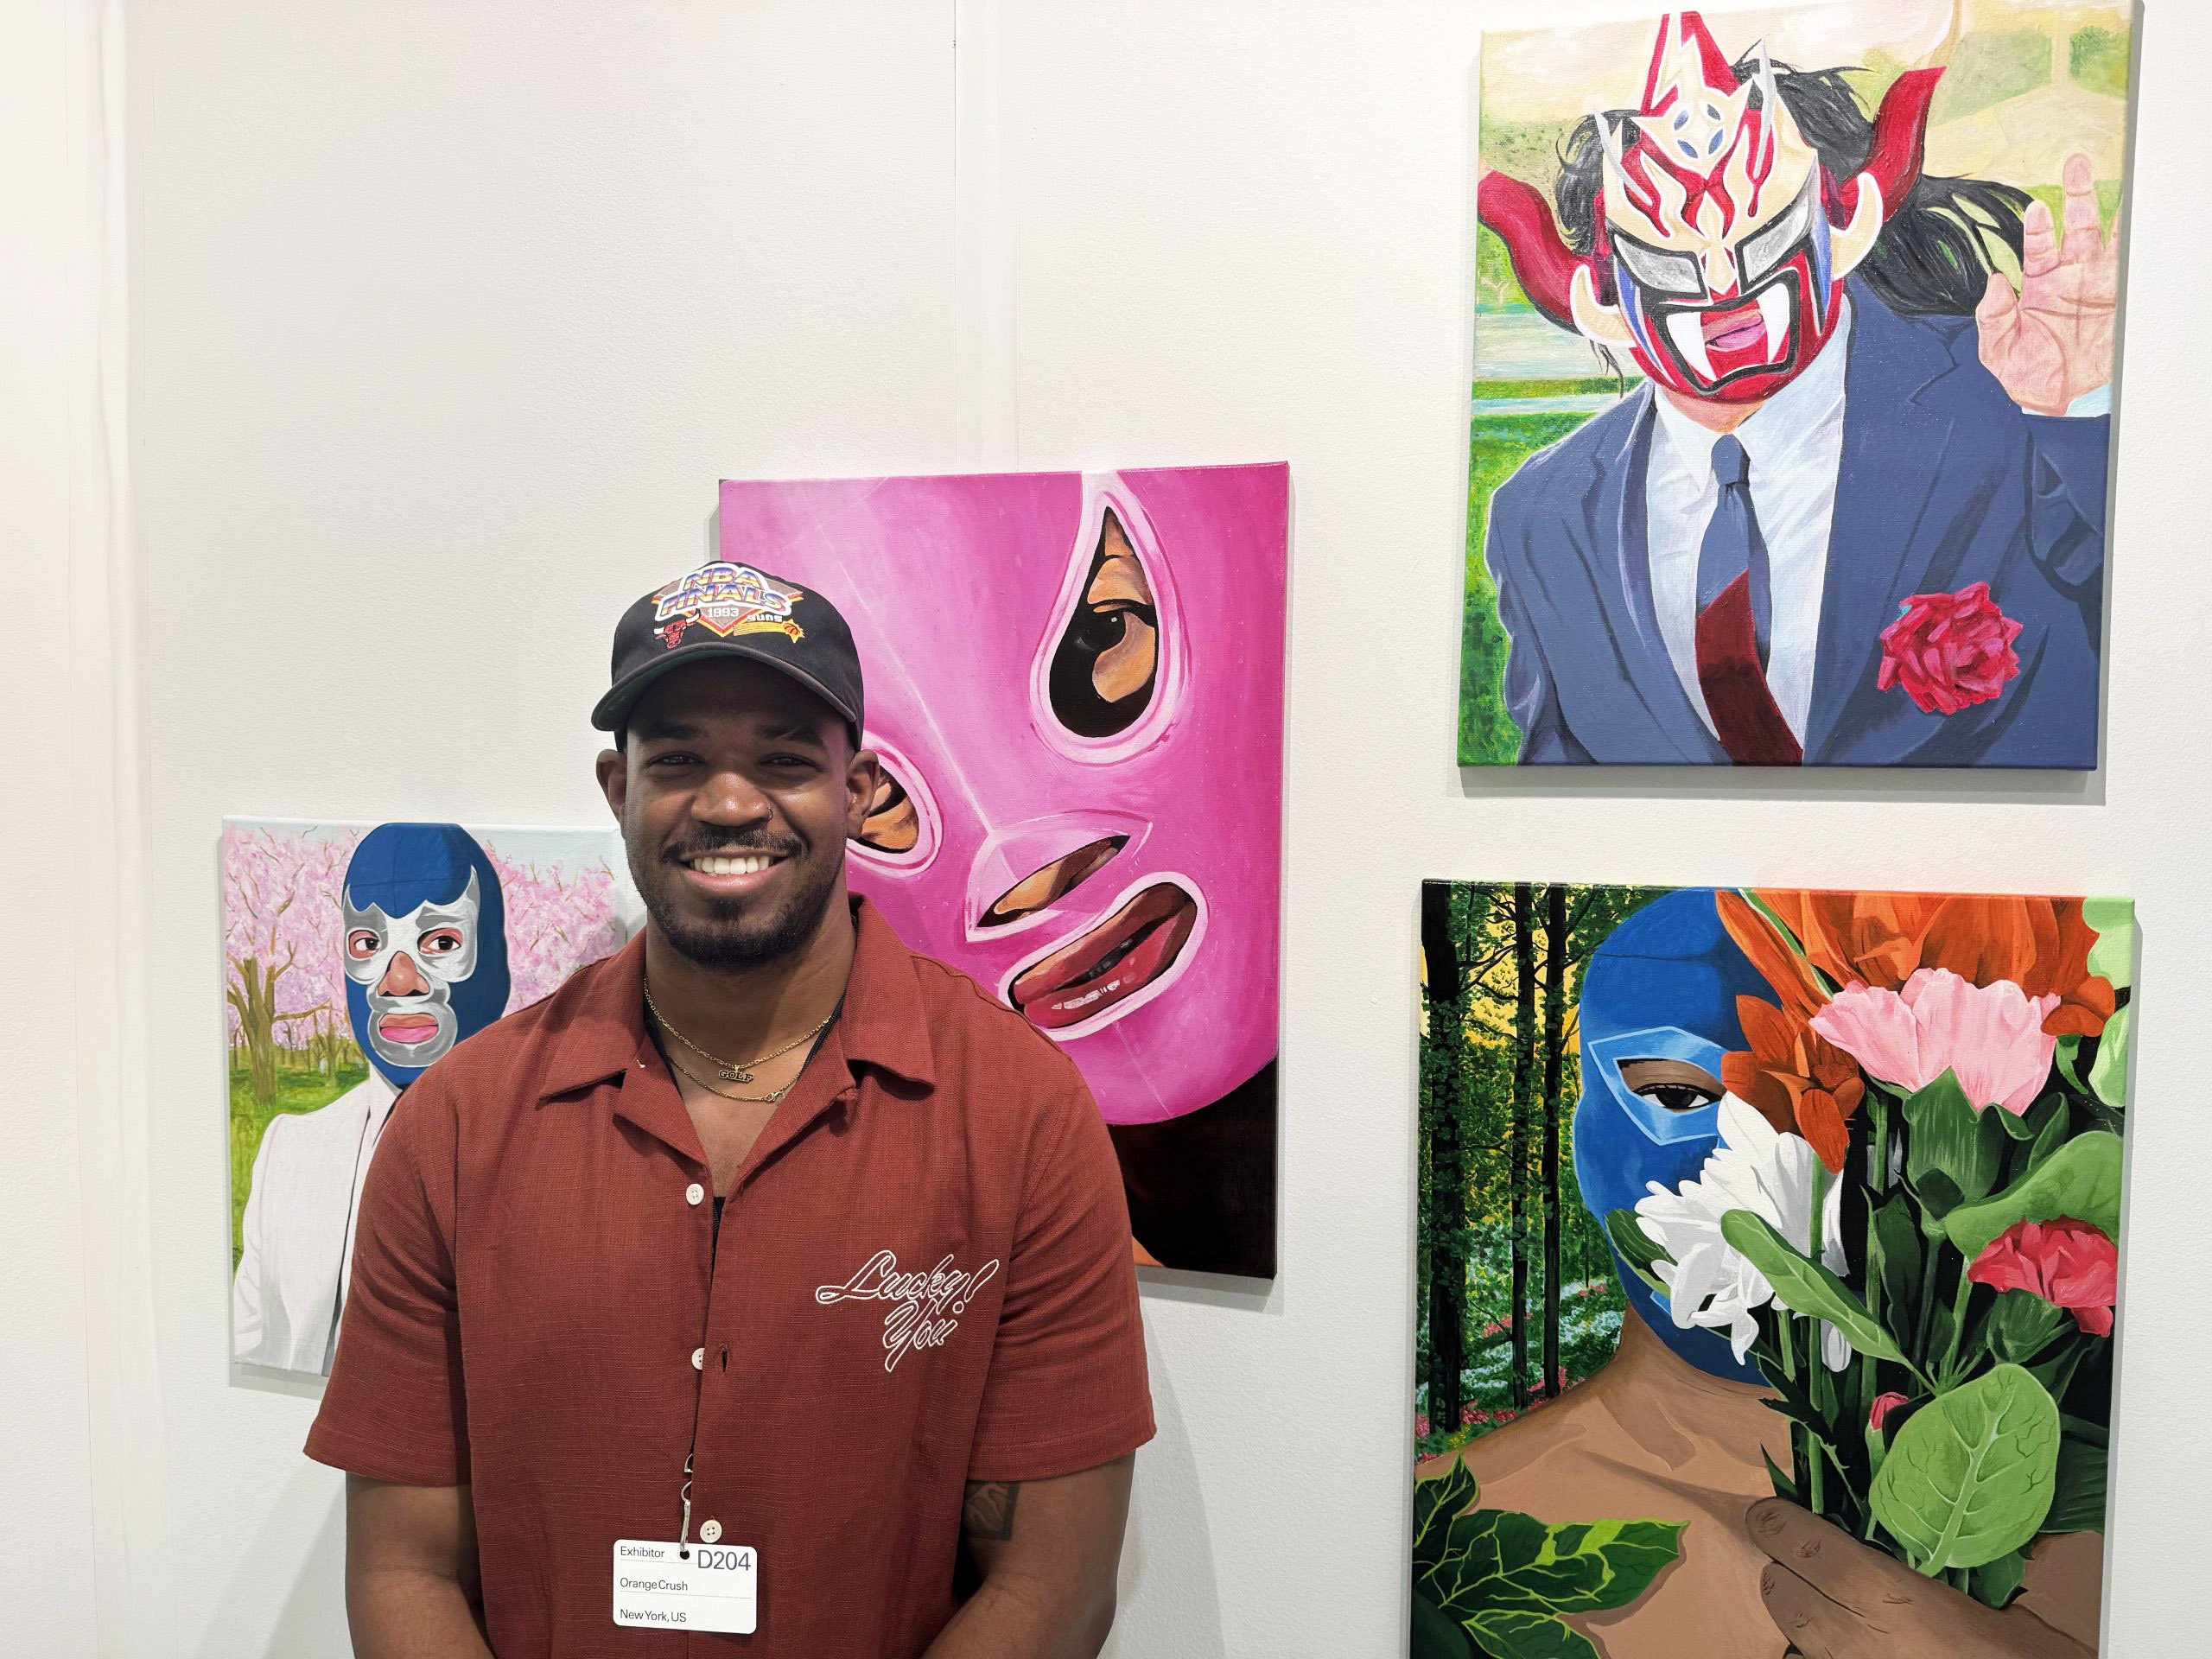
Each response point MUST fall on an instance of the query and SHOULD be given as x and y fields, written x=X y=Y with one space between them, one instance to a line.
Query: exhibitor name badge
x=727 y=599
x=666 y=1586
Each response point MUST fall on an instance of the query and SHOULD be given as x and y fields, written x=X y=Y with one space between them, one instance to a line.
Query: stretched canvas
x=1074 y=683
x=1794 y=346
x=1768 y=1274
x=354 y=956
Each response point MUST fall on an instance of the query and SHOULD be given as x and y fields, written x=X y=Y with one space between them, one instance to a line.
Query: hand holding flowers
x=1909 y=1225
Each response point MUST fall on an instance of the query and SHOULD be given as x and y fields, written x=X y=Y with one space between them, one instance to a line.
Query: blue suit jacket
x=1945 y=481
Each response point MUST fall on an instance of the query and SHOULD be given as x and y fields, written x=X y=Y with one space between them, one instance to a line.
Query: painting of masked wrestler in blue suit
x=1740 y=1216
x=423 y=934
x=1792 y=419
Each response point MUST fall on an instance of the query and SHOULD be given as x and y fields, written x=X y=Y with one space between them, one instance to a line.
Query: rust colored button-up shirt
x=922 y=1277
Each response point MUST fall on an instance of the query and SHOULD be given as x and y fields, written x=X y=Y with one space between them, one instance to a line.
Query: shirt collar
x=1776 y=433
x=603 y=1033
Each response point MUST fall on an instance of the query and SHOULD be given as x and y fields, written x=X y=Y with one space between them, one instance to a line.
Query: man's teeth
x=751 y=864
x=1774 y=308
x=1688 y=331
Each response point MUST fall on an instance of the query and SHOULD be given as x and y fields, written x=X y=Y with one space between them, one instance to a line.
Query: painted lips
x=407 y=1028
x=1734 y=329
x=1110 y=963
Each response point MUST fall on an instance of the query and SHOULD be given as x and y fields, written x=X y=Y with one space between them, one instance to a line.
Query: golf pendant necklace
x=732 y=1071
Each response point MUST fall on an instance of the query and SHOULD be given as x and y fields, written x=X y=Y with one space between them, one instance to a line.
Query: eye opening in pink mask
x=902 y=829
x=1108 y=674
x=1148 y=938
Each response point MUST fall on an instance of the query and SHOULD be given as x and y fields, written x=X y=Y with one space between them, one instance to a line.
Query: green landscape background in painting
x=2025 y=85
x=1512 y=1271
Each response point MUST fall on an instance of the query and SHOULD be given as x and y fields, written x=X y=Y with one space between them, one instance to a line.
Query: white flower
x=1770 y=1172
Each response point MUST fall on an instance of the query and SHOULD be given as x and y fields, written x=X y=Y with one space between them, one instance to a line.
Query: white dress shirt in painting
x=1795 y=441
x=298 y=1228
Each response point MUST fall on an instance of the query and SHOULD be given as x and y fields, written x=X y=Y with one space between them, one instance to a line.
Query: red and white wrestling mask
x=1721 y=243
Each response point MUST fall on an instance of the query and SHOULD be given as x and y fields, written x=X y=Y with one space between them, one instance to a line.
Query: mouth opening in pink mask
x=1101 y=972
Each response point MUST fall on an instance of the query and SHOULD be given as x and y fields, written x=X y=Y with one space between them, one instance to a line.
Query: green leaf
x=2113 y=957
x=1939 y=1195
x=2022 y=1325
x=1949 y=1138
x=1893 y=1261
x=1805 y=1286
x=1436 y=1635
x=1636 y=1247
x=2080 y=1504
x=1998 y=1581
x=1512 y=1635
x=1435 y=1503
x=2052 y=1137
x=1504 y=1577
x=1783 y=1486
x=2109 y=1074
x=2069 y=1056
x=1971 y=1474
x=2028 y=1124
x=2081 y=1180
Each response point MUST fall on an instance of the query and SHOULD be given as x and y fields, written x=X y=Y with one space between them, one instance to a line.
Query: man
x=587 y=1411
x=424 y=950
x=1675 y=1426
x=1834 y=525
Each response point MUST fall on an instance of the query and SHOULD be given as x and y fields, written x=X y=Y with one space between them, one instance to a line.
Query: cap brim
x=612 y=711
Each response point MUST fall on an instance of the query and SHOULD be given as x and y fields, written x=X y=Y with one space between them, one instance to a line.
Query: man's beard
x=743 y=934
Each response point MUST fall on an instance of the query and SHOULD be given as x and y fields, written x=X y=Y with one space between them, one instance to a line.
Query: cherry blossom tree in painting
x=281 y=928
x=555 y=923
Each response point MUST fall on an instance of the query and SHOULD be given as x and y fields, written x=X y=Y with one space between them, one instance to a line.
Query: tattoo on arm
x=987 y=1513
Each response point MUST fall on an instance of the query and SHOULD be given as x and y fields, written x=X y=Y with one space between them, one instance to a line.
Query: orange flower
x=1794 y=981
x=1882 y=938
x=1794 y=1079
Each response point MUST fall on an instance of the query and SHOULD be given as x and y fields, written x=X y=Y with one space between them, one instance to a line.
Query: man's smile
x=731 y=872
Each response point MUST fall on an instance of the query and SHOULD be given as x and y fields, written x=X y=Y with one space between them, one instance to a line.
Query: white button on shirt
x=695 y=1194
x=698 y=1359
x=1795 y=441
x=710 y=1531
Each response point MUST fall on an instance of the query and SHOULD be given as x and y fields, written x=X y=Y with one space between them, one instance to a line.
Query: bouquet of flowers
x=1910 y=1223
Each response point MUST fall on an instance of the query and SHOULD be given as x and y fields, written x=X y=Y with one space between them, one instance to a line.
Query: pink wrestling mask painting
x=1074 y=683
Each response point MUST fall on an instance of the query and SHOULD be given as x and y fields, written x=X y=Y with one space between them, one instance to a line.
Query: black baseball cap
x=722 y=609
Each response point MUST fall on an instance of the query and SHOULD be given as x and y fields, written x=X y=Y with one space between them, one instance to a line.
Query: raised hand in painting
x=1832 y=1598
x=2050 y=341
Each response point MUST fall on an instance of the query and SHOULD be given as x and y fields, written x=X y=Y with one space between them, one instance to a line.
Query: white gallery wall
x=445 y=317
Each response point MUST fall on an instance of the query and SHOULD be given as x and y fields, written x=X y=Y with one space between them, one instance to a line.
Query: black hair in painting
x=1933 y=257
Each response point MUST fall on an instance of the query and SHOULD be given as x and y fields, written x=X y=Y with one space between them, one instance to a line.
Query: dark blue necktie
x=1732 y=546
x=1735 y=616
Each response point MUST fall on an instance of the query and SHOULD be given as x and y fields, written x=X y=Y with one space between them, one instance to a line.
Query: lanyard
x=713 y=1251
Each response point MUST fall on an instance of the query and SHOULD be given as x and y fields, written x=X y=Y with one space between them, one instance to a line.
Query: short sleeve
x=1067 y=1389
x=395 y=1408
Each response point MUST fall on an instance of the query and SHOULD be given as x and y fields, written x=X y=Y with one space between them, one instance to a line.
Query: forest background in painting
x=1516 y=1298
x=2025 y=83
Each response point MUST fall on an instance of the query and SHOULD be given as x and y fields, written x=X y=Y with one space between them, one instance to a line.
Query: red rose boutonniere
x=1949 y=651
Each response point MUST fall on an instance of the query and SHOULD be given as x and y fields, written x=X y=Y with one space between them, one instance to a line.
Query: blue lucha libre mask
x=1662 y=987
x=425 y=948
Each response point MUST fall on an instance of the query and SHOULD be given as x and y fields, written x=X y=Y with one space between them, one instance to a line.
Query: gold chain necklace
x=732 y=1071
x=768 y=1099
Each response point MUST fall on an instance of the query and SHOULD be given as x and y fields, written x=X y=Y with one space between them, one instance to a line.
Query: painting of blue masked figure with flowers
x=1769 y=1250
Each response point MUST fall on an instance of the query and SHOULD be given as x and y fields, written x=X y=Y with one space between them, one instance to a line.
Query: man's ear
x=614 y=779
x=862 y=776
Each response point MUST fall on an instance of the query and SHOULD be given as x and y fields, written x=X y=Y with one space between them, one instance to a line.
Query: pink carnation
x=2068 y=1264
x=1991 y=1037
x=1949 y=651
x=1884 y=1405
